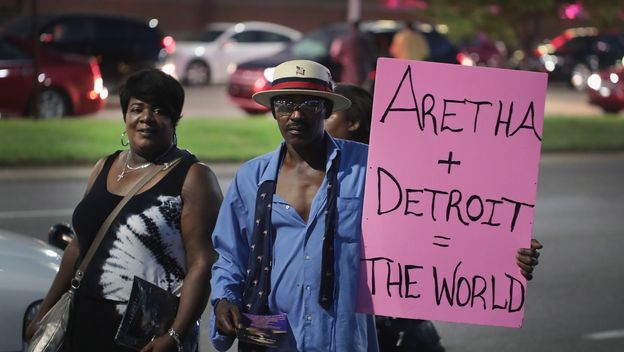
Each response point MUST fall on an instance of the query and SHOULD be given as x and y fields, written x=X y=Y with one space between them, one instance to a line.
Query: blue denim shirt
x=295 y=276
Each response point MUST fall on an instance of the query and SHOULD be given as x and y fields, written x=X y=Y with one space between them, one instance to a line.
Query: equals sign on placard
x=441 y=241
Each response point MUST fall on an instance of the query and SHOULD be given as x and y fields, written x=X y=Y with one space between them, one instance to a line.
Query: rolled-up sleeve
x=228 y=273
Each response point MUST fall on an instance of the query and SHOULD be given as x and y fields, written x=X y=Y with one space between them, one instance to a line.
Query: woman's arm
x=201 y=197
x=62 y=280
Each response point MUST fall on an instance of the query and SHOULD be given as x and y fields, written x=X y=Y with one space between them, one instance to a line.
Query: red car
x=68 y=84
x=244 y=83
x=482 y=51
x=606 y=89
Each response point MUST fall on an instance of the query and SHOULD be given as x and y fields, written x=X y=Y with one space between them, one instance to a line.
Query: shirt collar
x=333 y=150
x=270 y=173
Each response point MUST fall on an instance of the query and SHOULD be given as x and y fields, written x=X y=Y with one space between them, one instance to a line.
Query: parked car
x=579 y=52
x=120 y=45
x=27 y=268
x=211 y=56
x=254 y=76
x=606 y=89
x=480 y=50
x=68 y=84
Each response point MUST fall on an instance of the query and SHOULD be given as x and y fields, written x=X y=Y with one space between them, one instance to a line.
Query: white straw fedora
x=303 y=77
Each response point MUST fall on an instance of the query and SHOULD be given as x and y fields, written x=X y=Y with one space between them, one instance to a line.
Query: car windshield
x=315 y=44
x=8 y=51
x=207 y=36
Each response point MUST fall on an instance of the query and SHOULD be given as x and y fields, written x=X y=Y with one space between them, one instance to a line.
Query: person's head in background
x=409 y=24
x=353 y=123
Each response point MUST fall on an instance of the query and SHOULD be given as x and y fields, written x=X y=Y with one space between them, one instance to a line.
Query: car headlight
x=268 y=74
x=594 y=81
x=170 y=69
x=550 y=62
x=614 y=78
x=604 y=92
x=231 y=68
x=31 y=313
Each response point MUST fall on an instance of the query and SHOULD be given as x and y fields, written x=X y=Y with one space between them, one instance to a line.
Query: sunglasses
x=284 y=107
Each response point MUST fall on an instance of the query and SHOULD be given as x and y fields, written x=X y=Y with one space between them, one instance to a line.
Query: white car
x=214 y=54
x=27 y=268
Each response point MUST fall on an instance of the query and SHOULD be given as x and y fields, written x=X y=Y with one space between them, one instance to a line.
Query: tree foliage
x=521 y=23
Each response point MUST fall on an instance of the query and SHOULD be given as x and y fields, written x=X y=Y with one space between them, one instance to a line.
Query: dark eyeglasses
x=308 y=107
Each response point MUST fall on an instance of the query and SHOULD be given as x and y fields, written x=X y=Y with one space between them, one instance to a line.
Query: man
x=409 y=44
x=356 y=53
x=289 y=229
x=318 y=185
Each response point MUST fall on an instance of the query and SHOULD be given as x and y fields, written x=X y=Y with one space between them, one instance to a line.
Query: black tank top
x=144 y=239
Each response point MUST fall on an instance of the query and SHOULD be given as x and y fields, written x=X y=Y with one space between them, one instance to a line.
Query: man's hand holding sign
x=450 y=192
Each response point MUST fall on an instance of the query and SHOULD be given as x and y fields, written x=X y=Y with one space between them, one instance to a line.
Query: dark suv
x=578 y=52
x=120 y=45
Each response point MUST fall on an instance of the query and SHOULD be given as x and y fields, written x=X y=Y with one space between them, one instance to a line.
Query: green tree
x=519 y=23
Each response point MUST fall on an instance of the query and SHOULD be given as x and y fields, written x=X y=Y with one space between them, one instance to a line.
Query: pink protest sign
x=450 y=191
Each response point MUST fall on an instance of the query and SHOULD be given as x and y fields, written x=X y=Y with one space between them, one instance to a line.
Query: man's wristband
x=176 y=337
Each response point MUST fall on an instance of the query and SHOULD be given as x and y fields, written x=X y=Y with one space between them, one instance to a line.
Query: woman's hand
x=227 y=317
x=164 y=343
x=527 y=258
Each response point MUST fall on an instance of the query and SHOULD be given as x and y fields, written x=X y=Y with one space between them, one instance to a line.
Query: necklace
x=130 y=168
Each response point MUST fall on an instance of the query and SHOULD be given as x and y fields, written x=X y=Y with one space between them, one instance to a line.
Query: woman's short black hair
x=361 y=108
x=156 y=88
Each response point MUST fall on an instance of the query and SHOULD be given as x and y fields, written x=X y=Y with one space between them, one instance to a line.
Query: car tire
x=579 y=75
x=197 y=73
x=52 y=104
x=611 y=110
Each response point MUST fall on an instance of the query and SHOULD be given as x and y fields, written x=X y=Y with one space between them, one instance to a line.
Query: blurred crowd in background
x=60 y=63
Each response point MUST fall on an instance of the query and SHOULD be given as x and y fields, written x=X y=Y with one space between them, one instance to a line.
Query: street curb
x=226 y=169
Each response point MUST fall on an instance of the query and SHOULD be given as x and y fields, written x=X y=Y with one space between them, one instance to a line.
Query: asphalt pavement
x=573 y=304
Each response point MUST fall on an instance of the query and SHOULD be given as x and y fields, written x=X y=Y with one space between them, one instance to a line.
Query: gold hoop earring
x=127 y=142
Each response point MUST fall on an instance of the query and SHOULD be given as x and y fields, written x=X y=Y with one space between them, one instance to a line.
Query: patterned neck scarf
x=258 y=283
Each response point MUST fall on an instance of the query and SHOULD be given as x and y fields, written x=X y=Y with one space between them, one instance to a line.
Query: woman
x=353 y=123
x=162 y=235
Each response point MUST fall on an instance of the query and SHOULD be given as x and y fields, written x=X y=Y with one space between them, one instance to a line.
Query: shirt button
x=288 y=207
x=309 y=317
x=307 y=257
x=308 y=287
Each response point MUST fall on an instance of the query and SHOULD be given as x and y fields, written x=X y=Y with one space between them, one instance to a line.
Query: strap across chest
x=258 y=283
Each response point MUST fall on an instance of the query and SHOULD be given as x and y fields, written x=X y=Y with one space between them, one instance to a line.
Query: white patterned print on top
x=148 y=245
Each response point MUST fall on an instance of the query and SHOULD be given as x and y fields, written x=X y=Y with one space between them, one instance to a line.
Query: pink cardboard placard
x=450 y=191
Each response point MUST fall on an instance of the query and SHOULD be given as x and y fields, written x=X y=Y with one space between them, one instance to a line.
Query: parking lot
x=212 y=101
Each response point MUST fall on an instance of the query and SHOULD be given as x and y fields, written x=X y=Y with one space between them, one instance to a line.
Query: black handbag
x=407 y=335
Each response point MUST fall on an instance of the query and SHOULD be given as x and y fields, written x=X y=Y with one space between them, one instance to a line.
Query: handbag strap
x=75 y=282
